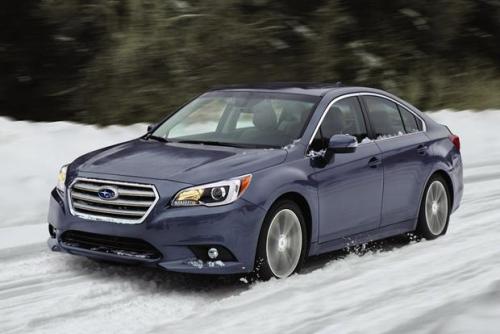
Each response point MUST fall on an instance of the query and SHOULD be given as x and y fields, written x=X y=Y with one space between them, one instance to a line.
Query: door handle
x=374 y=162
x=422 y=149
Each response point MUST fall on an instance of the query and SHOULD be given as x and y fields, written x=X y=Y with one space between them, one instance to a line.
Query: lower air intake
x=125 y=247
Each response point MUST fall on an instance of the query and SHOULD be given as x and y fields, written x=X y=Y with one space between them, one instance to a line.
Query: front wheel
x=282 y=242
x=434 y=209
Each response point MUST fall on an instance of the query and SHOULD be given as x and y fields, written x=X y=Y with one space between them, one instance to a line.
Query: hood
x=187 y=163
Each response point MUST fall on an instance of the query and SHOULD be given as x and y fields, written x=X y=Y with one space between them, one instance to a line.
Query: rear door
x=398 y=133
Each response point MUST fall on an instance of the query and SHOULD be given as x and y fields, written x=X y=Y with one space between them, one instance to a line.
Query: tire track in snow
x=88 y=293
x=382 y=291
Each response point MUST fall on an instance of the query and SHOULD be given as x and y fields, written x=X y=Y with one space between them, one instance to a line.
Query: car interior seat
x=381 y=122
x=291 y=120
x=265 y=128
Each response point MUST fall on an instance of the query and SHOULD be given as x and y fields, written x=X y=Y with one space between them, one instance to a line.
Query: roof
x=308 y=88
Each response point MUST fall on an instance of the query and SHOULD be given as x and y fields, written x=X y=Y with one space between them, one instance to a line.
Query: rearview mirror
x=342 y=144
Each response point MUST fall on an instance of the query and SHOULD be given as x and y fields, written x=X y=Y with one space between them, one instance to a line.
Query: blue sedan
x=255 y=179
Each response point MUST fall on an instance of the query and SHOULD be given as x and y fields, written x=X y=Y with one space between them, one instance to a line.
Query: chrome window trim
x=110 y=219
x=339 y=98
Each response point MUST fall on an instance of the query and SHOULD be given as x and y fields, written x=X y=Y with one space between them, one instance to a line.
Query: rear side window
x=409 y=120
x=343 y=117
x=385 y=117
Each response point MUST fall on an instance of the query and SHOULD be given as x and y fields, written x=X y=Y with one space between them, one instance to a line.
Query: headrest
x=292 y=112
x=264 y=117
x=381 y=122
x=336 y=114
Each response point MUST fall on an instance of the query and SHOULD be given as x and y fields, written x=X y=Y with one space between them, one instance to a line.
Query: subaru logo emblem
x=107 y=193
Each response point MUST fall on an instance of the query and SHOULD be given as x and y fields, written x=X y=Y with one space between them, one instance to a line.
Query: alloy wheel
x=284 y=243
x=436 y=207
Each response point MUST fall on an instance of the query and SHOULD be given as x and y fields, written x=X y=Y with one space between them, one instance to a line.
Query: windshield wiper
x=157 y=138
x=220 y=143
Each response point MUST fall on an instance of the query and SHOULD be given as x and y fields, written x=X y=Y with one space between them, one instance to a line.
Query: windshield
x=236 y=118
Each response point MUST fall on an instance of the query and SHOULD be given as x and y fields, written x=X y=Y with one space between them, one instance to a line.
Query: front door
x=350 y=184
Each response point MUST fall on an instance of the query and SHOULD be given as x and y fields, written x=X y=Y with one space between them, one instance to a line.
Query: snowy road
x=451 y=285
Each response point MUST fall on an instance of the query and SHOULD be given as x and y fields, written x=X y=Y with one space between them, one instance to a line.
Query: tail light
x=456 y=141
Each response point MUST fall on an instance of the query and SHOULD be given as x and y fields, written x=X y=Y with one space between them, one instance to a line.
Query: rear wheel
x=434 y=210
x=282 y=241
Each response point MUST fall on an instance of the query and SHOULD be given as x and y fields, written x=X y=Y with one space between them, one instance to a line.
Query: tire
x=281 y=254
x=435 y=209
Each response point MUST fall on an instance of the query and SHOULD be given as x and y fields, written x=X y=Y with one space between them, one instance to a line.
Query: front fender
x=292 y=177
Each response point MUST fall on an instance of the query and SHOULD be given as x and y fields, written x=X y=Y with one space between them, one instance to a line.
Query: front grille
x=130 y=203
x=121 y=246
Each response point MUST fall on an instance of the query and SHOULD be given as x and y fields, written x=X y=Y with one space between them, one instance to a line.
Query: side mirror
x=151 y=127
x=342 y=144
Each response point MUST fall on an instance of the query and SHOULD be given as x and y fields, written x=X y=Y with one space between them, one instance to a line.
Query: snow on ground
x=451 y=285
x=32 y=154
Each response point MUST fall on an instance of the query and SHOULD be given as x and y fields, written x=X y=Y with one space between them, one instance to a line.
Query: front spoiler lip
x=57 y=246
x=188 y=265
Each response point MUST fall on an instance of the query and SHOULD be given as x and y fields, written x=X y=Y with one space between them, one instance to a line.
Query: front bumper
x=173 y=232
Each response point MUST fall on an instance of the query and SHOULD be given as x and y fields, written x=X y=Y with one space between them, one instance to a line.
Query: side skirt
x=363 y=237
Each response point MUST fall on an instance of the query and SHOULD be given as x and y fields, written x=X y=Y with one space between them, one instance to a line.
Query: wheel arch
x=422 y=227
x=291 y=197
x=449 y=185
x=290 y=182
x=306 y=211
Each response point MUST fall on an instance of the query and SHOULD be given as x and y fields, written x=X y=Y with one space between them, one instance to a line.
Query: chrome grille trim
x=125 y=192
x=118 y=212
x=134 y=202
x=87 y=198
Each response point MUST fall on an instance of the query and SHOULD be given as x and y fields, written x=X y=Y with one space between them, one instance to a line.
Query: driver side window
x=343 y=117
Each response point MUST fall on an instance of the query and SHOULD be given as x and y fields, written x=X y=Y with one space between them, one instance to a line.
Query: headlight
x=61 y=178
x=213 y=194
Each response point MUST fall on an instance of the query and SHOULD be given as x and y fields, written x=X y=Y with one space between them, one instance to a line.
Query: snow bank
x=451 y=285
x=32 y=154
x=479 y=132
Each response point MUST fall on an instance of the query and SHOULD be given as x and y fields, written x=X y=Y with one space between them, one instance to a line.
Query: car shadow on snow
x=156 y=280
x=160 y=281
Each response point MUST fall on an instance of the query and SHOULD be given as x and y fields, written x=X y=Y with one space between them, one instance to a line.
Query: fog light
x=213 y=253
